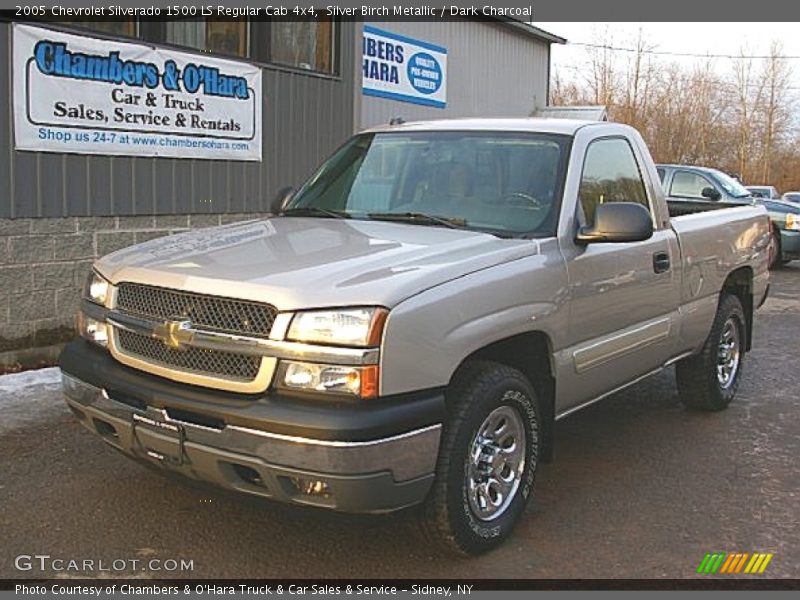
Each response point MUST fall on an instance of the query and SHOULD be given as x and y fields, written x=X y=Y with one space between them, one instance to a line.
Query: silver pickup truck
x=409 y=325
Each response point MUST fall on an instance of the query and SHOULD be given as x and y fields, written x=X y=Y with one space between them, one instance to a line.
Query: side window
x=223 y=36
x=661 y=174
x=610 y=174
x=688 y=185
x=120 y=26
x=304 y=44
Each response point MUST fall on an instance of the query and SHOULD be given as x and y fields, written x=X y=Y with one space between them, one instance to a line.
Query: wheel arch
x=740 y=284
x=532 y=354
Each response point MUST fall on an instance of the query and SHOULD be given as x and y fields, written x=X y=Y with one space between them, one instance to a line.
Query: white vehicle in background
x=764 y=191
x=793 y=197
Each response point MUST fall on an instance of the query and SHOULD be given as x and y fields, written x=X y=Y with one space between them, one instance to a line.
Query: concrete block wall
x=44 y=264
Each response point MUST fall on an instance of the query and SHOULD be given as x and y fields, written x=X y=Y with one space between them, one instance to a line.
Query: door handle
x=660 y=262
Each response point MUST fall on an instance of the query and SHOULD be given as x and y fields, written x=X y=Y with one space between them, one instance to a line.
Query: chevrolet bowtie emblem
x=174 y=334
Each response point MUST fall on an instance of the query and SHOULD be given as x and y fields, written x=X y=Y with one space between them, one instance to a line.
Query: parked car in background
x=793 y=197
x=690 y=189
x=764 y=191
x=785 y=217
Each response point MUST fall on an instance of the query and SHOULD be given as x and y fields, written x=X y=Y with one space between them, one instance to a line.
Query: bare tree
x=746 y=101
x=777 y=107
x=638 y=78
x=742 y=122
x=602 y=76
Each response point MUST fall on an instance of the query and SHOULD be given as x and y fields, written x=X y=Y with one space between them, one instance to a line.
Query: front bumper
x=362 y=459
x=790 y=245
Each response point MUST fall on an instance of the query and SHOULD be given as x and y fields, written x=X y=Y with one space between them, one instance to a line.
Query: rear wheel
x=709 y=380
x=487 y=459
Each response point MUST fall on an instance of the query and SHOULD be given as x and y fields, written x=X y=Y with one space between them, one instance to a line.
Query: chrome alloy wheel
x=496 y=463
x=728 y=354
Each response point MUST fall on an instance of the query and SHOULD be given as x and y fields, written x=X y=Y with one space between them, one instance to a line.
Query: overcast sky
x=693 y=38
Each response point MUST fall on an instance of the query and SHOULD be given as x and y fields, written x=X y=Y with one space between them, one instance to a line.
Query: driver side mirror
x=710 y=193
x=617 y=222
x=281 y=199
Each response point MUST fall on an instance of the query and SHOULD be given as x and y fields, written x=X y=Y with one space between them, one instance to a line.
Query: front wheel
x=709 y=380
x=487 y=459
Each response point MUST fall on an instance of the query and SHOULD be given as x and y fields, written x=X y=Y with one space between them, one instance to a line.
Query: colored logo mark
x=734 y=563
x=425 y=73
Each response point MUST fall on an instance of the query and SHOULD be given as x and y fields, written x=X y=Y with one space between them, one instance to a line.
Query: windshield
x=730 y=185
x=490 y=181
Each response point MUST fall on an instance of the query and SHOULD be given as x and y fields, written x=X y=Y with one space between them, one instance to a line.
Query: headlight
x=793 y=222
x=356 y=381
x=345 y=327
x=93 y=330
x=96 y=288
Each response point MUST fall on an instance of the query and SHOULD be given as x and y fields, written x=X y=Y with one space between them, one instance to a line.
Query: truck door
x=623 y=296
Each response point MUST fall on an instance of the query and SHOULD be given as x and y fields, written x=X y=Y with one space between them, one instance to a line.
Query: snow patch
x=17 y=381
x=30 y=397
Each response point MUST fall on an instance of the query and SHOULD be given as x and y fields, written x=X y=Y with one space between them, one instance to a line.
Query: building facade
x=59 y=210
x=494 y=69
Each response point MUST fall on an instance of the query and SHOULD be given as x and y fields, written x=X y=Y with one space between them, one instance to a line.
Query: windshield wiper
x=420 y=218
x=315 y=211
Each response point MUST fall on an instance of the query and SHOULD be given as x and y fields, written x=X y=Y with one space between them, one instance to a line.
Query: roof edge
x=529 y=29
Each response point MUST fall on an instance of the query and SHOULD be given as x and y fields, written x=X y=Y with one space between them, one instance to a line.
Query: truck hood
x=302 y=262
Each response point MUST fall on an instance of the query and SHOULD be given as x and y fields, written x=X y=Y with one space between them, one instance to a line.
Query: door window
x=610 y=174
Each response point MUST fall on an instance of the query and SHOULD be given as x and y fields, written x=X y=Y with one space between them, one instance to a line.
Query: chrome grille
x=228 y=315
x=212 y=363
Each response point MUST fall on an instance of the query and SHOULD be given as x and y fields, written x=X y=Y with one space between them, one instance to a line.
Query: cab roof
x=532 y=125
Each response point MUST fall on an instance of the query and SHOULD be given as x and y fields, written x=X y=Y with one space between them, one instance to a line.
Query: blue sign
x=400 y=68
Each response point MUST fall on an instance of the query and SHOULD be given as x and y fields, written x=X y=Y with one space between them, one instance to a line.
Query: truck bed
x=678 y=208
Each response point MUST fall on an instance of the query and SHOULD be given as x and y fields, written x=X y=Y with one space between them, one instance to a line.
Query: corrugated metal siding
x=492 y=71
x=305 y=118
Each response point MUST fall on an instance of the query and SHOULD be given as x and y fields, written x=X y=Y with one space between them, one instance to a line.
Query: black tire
x=700 y=385
x=479 y=391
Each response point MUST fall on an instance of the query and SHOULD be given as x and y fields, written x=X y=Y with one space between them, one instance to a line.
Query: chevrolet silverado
x=408 y=326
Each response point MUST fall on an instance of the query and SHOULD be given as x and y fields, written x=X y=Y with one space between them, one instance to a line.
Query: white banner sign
x=91 y=96
x=401 y=68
